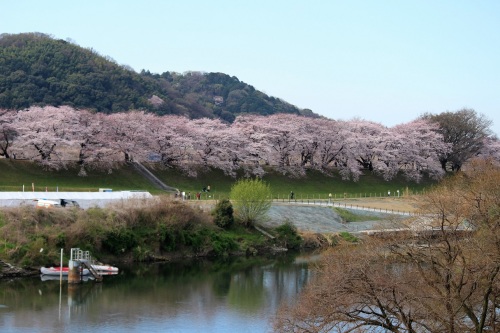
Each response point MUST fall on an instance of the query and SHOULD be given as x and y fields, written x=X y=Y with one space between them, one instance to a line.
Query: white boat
x=45 y=277
x=57 y=271
x=99 y=268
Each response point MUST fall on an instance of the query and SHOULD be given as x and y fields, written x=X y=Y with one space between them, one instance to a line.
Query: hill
x=36 y=69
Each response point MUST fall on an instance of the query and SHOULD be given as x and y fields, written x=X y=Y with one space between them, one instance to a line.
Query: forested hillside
x=36 y=69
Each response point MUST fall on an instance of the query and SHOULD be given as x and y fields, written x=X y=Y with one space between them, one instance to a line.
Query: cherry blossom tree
x=46 y=134
x=170 y=141
x=279 y=135
x=8 y=132
x=95 y=151
x=252 y=150
x=308 y=138
x=218 y=145
x=332 y=143
x=290 y=144
x=413 y=149
x=207 y=143
x=127 y=134
x=365 y=147
x=491 y=149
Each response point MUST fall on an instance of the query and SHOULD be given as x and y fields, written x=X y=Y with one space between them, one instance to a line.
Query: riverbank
x=123 y=233
x=8 y=271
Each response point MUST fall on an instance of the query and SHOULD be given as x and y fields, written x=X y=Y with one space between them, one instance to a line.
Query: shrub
x=60 y=240
x=252 y=199
x=223 y=214
x=348 y=237
x=288 y=236
x=222 y=245
x=119 y=241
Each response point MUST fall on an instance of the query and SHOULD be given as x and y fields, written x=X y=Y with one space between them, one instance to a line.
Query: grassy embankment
x=15 y=174
x=314 y=186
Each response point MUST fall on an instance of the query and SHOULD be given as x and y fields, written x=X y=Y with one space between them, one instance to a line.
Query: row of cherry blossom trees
x=290 y=144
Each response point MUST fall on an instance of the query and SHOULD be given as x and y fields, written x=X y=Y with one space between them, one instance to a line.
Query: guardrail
x=329 y=203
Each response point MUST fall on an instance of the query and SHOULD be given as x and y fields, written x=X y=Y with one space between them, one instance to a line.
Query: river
x=237 y=294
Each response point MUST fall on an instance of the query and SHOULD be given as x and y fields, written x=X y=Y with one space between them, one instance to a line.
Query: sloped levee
x=325 y=219
x=152 y=178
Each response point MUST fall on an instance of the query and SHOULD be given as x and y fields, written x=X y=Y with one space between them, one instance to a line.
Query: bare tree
x=445 y=279
x=466 y=130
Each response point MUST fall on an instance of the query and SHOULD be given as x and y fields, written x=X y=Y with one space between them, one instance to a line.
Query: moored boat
x=57 y=271
x=99 y=268
x=45 y=277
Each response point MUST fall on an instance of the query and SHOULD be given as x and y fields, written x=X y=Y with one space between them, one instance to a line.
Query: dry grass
x=404 y=204
x=26 y=230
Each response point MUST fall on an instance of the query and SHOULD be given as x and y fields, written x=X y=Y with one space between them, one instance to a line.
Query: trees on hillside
x=8 y=132
x=332 y=146
x=36 y=69
x=46 y=134
x=128 y=133
x=447 y=281
x=94 y=150
x=288 y=143
x=413 y=147
x=169 y=140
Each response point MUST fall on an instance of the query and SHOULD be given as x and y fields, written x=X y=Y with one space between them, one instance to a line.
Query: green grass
x=15 y=173
x=349 y=216
x=348 y=237
x=314 y=186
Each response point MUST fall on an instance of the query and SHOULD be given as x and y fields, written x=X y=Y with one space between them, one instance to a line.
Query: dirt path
x=397 y=204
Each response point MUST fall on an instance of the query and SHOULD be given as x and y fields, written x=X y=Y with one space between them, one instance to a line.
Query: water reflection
x=220 y=296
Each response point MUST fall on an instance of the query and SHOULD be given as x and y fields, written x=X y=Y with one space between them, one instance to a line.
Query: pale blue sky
x=384 y=61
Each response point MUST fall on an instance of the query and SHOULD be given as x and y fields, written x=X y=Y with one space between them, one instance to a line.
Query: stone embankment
x=9 y=271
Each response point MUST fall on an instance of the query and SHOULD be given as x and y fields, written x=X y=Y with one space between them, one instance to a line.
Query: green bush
x=171 y=237
x=196 y=239
x=223 y=214
x=348 y=237
x=60 y=240
x=252 y=200
x=119 y=241
x=141 y=253
x=222 y=244
x=288 y=236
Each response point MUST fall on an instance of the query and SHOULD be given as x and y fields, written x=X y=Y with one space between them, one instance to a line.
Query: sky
x=383 y=61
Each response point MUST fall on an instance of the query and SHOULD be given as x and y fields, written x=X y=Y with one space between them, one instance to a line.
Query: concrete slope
x=324 y=219
x=152 y=178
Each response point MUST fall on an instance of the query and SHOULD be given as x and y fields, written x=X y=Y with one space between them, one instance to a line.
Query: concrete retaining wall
x=84 y=199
